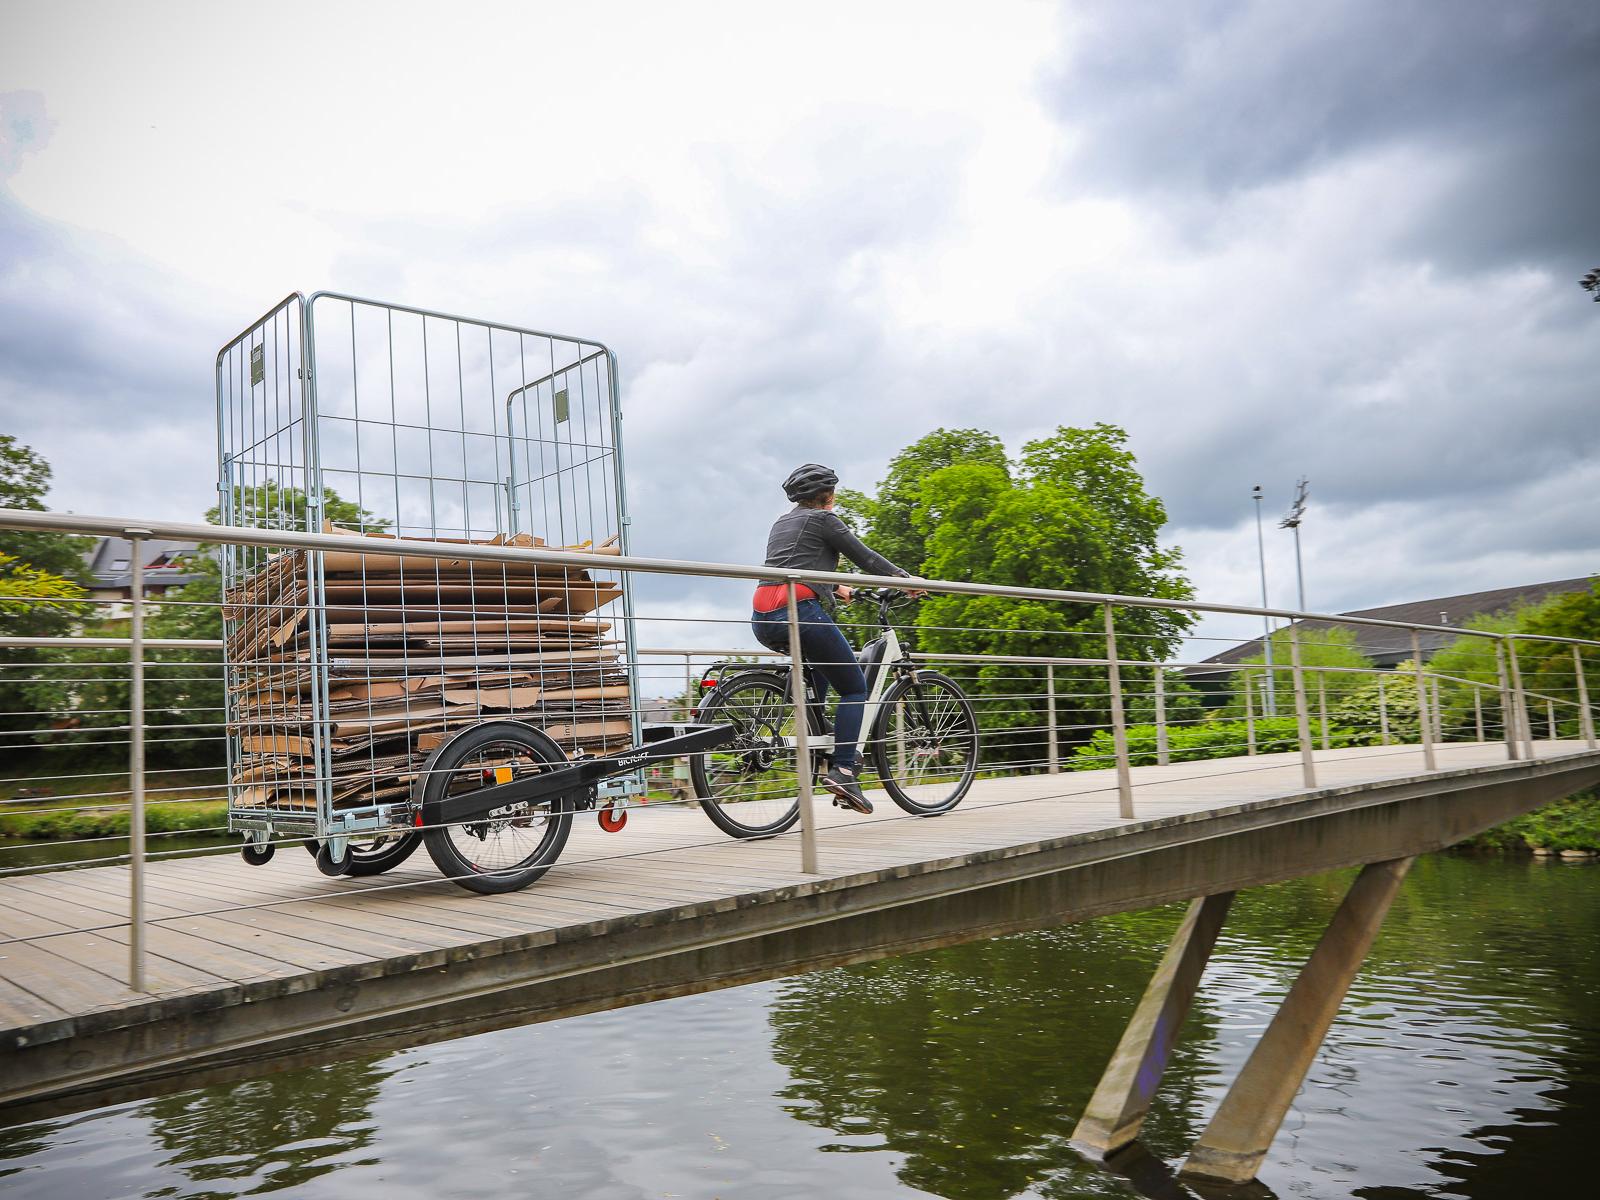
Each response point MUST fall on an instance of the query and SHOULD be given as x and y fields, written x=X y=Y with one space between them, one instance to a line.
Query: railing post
x=1119 y=728
x=802 y=740
x=1383 y=714
x=1249 y=714
x=1524 y=725
x=1508 y=716
x=1322 y=707
x=136 y=767
x=1585 y=717
x=1163 y=750
x=1550 y=717
x=1424 y=721
x=692 y=698
x=1054 y=746
x=1477 y=710
x=1302 y=717
x=1438 y=713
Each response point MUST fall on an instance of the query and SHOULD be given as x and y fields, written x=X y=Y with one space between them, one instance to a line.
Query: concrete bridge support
x=1236 y=1141
x=1120 y=1102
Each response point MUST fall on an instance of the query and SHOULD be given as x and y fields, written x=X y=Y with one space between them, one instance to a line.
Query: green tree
x=1547 y=667
x=40 y=573
x=887 y=519
x=183 y=688
x=24 y=482
x=1321 y=646
x=1364 y=705
x=1071 y=514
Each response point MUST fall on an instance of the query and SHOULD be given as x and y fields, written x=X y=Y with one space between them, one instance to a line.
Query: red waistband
x=776 y=595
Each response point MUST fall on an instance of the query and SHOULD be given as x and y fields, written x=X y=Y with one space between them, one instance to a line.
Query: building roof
x=1386 y=647
x=109 y=562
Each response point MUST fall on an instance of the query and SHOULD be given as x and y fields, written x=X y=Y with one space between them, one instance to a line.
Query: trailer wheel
x=377 y=854
x=327 y=865
x=258 y=854
x=510 y=847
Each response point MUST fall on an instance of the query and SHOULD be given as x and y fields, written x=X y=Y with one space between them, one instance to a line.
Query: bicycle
x=918 y=724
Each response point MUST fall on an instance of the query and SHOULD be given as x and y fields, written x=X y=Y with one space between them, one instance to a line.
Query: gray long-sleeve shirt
x=812 y=539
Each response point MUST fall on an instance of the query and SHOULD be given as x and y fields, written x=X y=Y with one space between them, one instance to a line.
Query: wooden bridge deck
x=255 y=964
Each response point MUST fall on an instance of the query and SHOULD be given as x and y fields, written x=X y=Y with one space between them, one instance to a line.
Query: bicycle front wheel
x=749 y=786
x=925 y=744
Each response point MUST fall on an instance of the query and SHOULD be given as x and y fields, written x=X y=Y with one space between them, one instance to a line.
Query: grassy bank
x=1570 y=824
x=46 y=799
x=63 y=822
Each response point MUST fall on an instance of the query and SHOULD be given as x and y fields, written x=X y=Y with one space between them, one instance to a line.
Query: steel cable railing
x=1035 y=707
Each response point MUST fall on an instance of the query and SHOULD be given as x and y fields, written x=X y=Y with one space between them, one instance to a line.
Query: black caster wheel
x=327 y=866
x=258 y=853
x=379 y=853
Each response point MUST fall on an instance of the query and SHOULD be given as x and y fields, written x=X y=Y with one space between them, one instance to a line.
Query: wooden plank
x=60 y=981
x=375 y=940
x=17 y=922
x=335 y=920
x=20 y=1007
x=287 y=947
x=168 y=943
x=78 y=909
x=326 y=920
x=103 y=952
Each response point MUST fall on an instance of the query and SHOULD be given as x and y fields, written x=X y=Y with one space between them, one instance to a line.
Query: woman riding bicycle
x=811 y=537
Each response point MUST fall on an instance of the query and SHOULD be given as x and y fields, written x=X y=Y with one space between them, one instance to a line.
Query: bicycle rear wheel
x=925 y=744
x=749 y=786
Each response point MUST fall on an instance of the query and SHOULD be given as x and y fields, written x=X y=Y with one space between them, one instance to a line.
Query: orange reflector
x=502 y=774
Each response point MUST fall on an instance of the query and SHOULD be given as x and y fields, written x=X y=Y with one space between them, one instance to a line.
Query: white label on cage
x=562 y=411
x=258 y=364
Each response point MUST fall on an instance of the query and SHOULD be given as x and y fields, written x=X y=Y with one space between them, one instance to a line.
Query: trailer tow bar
x=577 y=779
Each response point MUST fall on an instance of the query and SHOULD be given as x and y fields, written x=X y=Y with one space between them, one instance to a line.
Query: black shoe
x=843 y=785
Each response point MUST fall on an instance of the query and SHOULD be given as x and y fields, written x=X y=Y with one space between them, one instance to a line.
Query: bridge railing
x=1061 y=681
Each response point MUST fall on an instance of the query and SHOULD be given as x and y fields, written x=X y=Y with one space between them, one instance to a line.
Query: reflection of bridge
x=244 y=969
x=254 y=968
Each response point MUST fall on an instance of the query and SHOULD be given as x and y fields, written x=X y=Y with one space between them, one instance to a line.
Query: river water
x=1465 y=1063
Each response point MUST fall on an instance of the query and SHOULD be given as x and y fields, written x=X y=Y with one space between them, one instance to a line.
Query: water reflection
x=1466 y=1063
x=1472 y=1028
x=974 y=1062
x=275 y=1132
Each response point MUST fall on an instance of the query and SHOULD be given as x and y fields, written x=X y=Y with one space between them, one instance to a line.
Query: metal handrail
x=289 y=540
x=1513 y=696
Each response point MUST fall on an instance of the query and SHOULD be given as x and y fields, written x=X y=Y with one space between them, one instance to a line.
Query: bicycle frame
x=878 y=668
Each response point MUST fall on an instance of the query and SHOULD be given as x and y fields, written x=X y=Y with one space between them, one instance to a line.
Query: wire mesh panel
x=343 y=415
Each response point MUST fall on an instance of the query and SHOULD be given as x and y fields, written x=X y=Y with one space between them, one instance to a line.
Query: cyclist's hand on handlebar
x=845 y=593
x=915 y=594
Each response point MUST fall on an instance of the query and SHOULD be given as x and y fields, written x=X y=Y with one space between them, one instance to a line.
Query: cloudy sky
x=1332 y=239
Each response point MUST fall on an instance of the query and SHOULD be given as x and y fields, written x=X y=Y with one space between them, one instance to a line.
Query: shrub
x=1211 y=739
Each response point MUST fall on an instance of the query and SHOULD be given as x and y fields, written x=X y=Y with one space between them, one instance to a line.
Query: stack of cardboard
x=414 y=648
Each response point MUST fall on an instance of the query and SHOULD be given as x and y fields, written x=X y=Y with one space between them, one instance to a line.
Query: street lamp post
x=1266 y=621
x=1297 y=510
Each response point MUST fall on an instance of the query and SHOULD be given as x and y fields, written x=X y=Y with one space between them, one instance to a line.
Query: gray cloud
x=1294 y=303
x=102 y=373
x=1198 y=102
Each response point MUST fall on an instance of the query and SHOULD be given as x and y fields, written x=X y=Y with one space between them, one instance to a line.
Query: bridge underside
x=672 y=912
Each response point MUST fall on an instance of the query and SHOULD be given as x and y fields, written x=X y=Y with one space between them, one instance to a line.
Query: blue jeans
x=828 y=659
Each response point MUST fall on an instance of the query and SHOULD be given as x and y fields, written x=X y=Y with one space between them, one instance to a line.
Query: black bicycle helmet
x=809 y=480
